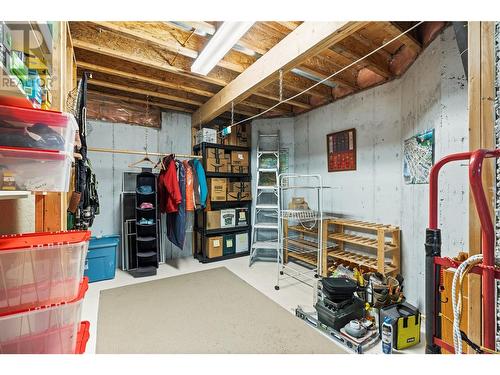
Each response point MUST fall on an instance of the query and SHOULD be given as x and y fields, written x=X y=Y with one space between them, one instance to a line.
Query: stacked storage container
x=41 y=292
x=36 y=149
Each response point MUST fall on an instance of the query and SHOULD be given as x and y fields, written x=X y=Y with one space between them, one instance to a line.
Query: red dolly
x=434 y=262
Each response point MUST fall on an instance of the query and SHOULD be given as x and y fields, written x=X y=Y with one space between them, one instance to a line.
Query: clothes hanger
x=144 y=159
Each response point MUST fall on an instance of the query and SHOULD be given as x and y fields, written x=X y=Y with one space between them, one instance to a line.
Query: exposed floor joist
x=305 y=41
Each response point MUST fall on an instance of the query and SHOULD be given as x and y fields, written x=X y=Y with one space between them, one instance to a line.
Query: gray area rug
x=211 y=311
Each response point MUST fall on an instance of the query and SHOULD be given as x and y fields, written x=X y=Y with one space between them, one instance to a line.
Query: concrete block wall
x=174 y=136
x=431 y=94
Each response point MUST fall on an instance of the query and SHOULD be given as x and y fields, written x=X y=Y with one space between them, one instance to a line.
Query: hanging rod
x=134 y=152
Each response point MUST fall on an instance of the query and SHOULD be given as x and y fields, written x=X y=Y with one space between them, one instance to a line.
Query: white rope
x=457 y=300
x=327 y=78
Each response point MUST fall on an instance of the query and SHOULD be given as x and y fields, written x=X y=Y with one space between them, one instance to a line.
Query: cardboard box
x=241 y=242
x=214 y=247
x=213 y=219
x=206 y=135
x=239 y=169
x=217 y=165
x=242 y=218
x=298 y=203
x=238 y=136
x=238 y=196
x=228 y=218
x=218 y=188
x=229 y=246
x=216 y=153
x=239 y=158
x=242 y=187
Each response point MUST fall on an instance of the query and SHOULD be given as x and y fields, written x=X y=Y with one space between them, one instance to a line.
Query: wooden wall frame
x=481 y=69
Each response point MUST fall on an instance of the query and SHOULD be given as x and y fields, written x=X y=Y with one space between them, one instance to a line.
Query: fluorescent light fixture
x=223 y=40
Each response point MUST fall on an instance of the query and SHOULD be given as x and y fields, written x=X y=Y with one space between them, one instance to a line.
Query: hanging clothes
x=169 y=193
x=189 y=186
x=202 y=182
x=176 y=221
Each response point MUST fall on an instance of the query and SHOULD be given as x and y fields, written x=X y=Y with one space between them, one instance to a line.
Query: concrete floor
x=262 y=276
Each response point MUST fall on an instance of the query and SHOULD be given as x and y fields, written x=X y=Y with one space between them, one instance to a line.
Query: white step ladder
x=265 y=214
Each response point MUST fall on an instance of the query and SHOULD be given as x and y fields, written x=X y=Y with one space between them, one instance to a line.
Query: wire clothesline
x=136 y=152
x=323 y=80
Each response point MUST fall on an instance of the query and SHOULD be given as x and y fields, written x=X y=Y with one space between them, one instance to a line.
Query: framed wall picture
x=341 y=150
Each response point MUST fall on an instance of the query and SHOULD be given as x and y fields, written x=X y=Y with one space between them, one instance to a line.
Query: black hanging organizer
x=147 y=253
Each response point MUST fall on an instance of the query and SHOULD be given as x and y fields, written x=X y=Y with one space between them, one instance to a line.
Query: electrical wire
x=324 y=79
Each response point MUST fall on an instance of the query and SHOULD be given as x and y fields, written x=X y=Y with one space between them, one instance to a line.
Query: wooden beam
x=145 y=102
x=408 y=39
x=311 y=69
x=481 y=135
x=135 y=90
x=140 y=78
x=144 y=61
x=306 y=40
x=354 y=51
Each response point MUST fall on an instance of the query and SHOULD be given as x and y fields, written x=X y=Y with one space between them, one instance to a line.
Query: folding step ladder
x=265 y=212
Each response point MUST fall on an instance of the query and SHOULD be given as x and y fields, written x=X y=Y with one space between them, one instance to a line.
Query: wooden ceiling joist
x=305 y=41
x=407 y=38
x=145 y=102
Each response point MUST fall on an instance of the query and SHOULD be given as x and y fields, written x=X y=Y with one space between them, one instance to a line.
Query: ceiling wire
x=326 y=78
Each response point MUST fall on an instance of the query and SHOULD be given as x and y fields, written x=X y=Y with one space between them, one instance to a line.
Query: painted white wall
x=174 y=136
x=431 y=94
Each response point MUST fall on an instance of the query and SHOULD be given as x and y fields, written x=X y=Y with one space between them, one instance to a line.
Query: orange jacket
x=189 y=187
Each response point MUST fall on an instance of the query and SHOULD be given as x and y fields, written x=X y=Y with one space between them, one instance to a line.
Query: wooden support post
x=324 y=253
x=481 y=135
x=381 y=251
x=396 y=254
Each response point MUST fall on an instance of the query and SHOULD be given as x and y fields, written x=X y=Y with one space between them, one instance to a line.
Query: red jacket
x=169 y=193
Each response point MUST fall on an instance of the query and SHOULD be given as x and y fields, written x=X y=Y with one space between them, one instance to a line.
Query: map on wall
x=418 y=152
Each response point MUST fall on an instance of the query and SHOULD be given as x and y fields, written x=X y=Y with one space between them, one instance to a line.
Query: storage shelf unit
x=200 y=230
x=369 y=236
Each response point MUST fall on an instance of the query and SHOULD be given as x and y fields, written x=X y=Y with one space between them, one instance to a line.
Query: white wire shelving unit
x=311 y=219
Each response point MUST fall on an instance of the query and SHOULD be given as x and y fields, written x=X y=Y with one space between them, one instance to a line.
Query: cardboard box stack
x=217 y=160
x=238 y=136
x=239 y=161
x=239 y=191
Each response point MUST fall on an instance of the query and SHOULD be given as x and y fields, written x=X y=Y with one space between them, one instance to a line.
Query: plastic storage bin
x=101 y=258
x=40 y=269
x=37 y=129
x=47 y=330
x=35 y=170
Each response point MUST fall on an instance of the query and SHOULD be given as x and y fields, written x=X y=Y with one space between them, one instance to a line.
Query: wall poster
x=341 y=149
x=418 y=156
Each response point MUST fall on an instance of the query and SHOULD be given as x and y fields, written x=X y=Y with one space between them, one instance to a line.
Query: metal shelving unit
x=201 y=232
x=292 y=246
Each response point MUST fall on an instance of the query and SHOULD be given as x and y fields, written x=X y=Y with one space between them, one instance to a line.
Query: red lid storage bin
x=39 y=269
x=37 y=129
x=36 y=170
x=46 y=330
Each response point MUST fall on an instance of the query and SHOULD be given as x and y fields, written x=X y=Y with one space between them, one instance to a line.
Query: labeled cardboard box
x=239 y=158
x=241 y=242
x=242 y=217
x=213 y=219
x=206 y=135
x=216 y=153
x=215 y=247
x=217 y=165
x=229 y=244
x=218 y=188
x=239 y=169
x=239 y=196
x=228 y=218
x=239 y=187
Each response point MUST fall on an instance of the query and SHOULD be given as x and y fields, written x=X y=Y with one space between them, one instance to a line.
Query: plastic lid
x=33 y=153
x=40 y=239
x=84 y=286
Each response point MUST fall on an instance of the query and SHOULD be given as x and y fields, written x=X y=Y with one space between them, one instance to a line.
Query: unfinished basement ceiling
x=150 y=62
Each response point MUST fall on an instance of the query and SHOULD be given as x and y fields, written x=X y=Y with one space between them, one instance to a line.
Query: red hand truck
x=434 y=262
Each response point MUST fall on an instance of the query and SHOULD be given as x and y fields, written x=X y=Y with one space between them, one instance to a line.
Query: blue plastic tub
x=101 y=258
